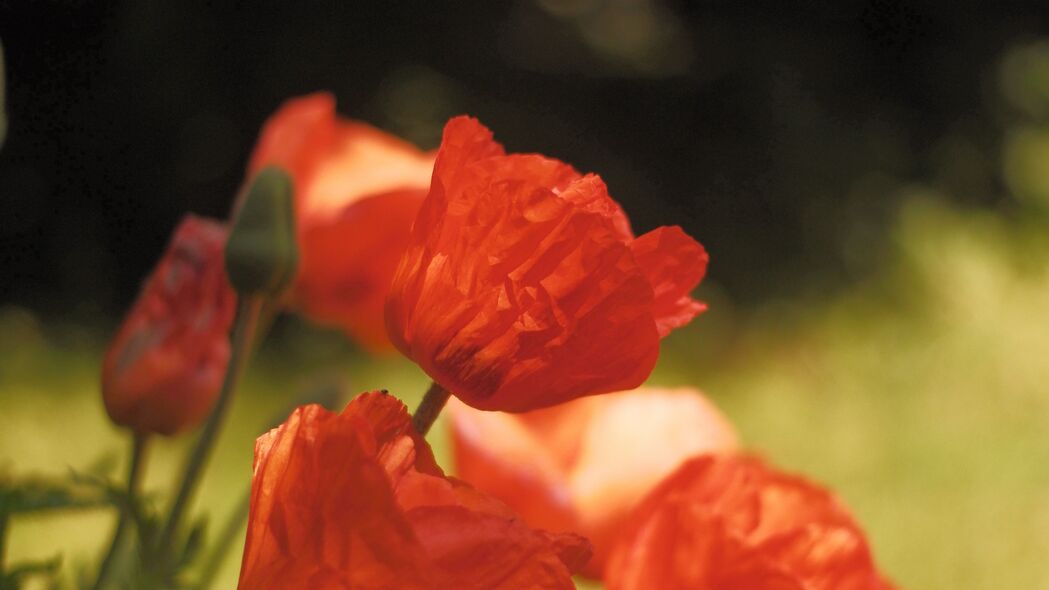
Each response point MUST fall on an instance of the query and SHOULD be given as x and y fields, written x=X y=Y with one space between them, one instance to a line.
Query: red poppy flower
x=583 y=465
x=523 y=286
x=356 y=500
x=357 y=190
x=733 y=522
x=165 y=366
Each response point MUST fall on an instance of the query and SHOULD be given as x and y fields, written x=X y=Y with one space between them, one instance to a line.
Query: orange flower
x=733 y=522
x=357 y=190
x=583 y=465
x=356 y=500
x=166 y=365
x=523 y=286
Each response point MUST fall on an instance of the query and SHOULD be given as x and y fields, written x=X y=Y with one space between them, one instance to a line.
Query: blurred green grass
x=920 y=395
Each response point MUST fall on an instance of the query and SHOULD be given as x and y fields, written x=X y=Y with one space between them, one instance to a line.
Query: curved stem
x=242 y=340
x=134 y=475
x=233 y=530
x=429 y=408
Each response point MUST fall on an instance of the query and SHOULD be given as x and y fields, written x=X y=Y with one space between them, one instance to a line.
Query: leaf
x=12 y=579
x=194 y=543
x=143 y=512
x=104 y=465
x=39 y=494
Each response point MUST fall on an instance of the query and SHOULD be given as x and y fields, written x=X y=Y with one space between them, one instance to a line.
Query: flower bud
x=261 y=253
x=357 y=191
x=165 y=366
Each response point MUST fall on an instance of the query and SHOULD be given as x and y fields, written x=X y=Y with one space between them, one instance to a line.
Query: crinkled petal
x=592 y=196
x=517 y=265
x=322 y=511
x=674 y=264
x=514 y=289
x=356 y=500
x=731 y=522
x=487 y=552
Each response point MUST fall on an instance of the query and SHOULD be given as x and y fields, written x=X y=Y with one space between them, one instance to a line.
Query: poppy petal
x=357 y=191
x=373 y=232
x=674 y=264
x=734 y=522
x=165 y=366
x=356 y=500
x=517 y=265
x=296 y=137
x=583 y=465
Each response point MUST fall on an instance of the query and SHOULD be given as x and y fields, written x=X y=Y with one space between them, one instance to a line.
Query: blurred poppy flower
x=583 y=465
x=733 y=522
x=523 y=286
x=356 y=500
x=165 y=366
x=357 y=190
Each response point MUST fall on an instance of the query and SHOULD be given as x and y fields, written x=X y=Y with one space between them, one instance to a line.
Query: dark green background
x=774 y=132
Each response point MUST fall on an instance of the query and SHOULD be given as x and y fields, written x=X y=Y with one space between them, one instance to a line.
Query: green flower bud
x=261 y=253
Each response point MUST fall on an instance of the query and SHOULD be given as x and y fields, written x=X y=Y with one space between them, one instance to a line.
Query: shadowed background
x=774 y=136
x=871 y=179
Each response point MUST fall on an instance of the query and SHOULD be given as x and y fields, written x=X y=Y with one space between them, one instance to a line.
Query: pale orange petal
x=583 y=465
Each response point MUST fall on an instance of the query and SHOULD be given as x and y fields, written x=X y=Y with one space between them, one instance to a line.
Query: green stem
x=429 y=408
x=242 y=340
x=3 y=539
x=134 y=475
x=326 y=395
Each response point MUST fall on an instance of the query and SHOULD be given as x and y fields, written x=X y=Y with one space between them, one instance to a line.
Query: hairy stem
x=242 y=340
x=429 y=408
x=134 y=475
